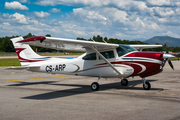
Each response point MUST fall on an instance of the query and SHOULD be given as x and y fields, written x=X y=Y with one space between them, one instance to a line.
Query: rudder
x=24 y=52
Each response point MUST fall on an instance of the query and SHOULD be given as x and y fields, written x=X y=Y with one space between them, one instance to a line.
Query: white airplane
x=102 y=60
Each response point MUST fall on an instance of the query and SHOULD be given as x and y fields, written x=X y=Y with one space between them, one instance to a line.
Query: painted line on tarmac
x=35 y=78
x=174 y=66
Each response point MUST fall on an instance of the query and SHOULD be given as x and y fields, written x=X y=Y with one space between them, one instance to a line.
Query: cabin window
x=124 y=49
x=91 y=56
x=107 y=55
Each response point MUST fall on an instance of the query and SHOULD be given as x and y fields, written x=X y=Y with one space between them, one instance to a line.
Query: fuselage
x=129 y=63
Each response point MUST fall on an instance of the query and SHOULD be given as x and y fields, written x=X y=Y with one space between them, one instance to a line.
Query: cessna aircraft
x=102 y=60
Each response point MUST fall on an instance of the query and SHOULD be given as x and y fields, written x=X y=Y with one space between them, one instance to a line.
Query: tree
x=48 y=35
x=98 y=38
x=28 y=36
x=6 y=45
x=80 y=38
x=106 y=39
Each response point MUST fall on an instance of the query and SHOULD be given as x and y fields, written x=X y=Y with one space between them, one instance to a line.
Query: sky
x=122 y=19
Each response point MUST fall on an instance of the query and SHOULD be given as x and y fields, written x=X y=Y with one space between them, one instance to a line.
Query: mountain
x=162 y=40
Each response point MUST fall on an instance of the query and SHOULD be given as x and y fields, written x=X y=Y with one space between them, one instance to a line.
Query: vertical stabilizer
x=25 y=53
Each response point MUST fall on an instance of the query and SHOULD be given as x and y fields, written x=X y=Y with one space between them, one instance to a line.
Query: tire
x=124 y=82
x=147 y=86
x=95 y=86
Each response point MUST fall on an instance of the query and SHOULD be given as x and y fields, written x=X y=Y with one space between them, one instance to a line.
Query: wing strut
x=119 y=73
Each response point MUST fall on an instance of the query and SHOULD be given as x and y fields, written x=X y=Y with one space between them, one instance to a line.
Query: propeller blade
x=170 y=63
x=163 y=62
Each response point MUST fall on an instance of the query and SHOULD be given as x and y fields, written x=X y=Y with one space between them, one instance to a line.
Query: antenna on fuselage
x=166 y=45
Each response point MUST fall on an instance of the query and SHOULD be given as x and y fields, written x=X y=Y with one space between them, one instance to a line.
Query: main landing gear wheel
x=147 y=86
x=95 y=86
x=124 y=82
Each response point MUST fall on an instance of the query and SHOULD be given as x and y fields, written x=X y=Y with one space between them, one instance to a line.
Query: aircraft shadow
x=32 y=83
x=82 y=89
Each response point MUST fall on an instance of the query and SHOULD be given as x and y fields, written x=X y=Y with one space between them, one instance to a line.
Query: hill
x=162 y=40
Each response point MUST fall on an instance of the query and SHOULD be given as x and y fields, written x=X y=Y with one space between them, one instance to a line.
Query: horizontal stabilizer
x=23 y=67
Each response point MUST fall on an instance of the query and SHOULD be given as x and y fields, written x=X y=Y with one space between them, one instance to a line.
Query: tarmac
x=28 y=95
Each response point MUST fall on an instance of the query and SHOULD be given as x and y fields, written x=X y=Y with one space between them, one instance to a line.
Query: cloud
x=89 y=14
x=19 y=24
x=55 y=10
x=69 y=2
x=41 y=14
x=6 y=24
x=160 y=3
x=163 y=12
x=178 y=11
x=16 y=19
x=23 y=1
x=20 y=18
x=169 y=33
x=15 y=6
x=125 y=19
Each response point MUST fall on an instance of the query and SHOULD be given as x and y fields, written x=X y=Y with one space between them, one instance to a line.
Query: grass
x=9 y=62
x=15 y=61
x=175 y=58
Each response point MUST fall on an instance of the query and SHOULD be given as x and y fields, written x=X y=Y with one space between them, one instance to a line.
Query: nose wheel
x=146 y=85
x=95 y=85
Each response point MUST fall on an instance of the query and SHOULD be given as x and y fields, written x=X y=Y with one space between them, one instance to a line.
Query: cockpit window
x=91 y=56
x=124 y=49
x=107 y=55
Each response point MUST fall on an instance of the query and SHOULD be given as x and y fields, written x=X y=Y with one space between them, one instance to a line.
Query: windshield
x=124 y=49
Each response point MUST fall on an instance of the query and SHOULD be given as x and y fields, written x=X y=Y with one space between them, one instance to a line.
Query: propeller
x=167 y=56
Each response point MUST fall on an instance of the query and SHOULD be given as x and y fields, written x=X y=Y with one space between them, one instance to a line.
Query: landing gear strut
x=95 y=85
x=146 y=85
x=124 y=82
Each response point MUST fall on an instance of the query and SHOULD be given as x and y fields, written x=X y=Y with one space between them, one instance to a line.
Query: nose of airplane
x=168 y=56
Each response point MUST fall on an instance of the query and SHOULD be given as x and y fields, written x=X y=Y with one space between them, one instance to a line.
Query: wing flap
x=145 y=46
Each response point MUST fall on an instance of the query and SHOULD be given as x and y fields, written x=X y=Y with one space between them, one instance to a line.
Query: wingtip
x=41 y=38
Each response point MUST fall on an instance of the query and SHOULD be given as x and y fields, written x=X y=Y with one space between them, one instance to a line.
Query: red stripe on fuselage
x=150 y=67
x=153 y=55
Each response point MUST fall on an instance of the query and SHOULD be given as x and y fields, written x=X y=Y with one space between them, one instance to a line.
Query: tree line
x=7 y=46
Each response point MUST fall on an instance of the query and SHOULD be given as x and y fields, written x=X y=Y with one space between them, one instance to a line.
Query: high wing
x=75 y=45
x=66 y=44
